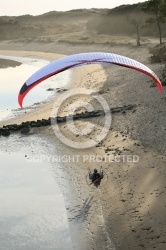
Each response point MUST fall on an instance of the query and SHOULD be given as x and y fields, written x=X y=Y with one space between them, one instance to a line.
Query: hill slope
x=82 y=25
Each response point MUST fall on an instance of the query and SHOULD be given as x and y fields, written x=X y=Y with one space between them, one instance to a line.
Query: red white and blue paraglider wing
x=75 y=60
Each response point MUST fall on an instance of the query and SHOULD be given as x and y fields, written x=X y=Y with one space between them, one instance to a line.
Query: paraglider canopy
x=75 y=60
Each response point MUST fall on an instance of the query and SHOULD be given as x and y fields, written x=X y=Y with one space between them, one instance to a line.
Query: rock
x=50 y=89
x=33 y=124
x=146 y=228
x=45 y=122
x=25 y=130
x=5 y=132
x=61 y=119
x=25 y=124
x=14 y=127
x=123 y=200
x=61 y=90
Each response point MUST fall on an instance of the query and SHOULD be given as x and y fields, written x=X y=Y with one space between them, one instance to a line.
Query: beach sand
x=128 y=212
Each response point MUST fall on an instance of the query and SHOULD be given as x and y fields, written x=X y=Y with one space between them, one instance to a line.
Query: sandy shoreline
x=129 y=211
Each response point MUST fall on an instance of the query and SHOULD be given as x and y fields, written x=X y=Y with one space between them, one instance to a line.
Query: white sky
x=37 y=7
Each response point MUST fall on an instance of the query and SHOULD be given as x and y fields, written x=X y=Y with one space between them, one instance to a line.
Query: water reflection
x=11 y=80
x=32 y=209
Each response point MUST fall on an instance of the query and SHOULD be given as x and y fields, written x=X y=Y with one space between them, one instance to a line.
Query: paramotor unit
x=96 y=179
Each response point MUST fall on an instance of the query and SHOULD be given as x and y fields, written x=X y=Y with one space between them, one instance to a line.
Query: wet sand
x=8 y=63
x=128 y=212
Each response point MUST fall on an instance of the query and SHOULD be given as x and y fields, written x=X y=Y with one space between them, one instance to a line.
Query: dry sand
x=129 y=211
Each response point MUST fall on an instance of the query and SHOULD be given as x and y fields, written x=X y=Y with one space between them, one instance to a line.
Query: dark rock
x=61 y=119
x=61 y=90
x=38 y=124
x=33 y=124
x=86 y=115
x=5 y=132
x=146 y=228
x=50 y=89
x=25 y=130
x=25 y=124
x=69 y=117
x=76 y=117
x=45 y=122
x=13 y=127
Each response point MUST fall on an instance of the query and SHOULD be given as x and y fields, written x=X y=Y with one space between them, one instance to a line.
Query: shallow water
x=32 y=208
x=11 y=80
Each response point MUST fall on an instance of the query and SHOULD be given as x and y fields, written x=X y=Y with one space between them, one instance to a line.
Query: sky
x=37 y=7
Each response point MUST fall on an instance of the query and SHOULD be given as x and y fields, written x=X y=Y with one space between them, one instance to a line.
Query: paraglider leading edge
x=76 y=60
